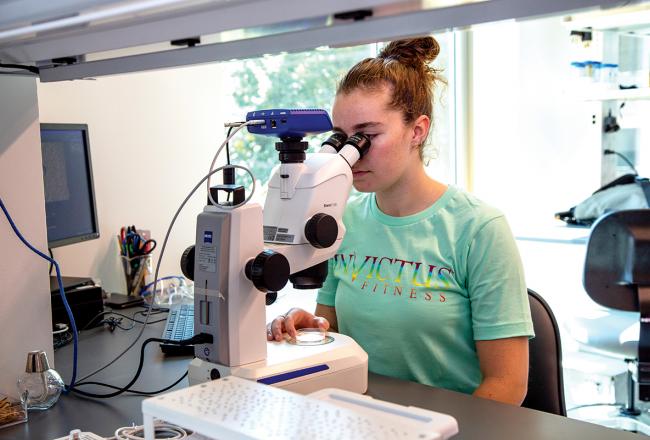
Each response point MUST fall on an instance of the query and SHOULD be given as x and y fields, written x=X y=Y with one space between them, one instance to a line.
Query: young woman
x=428 y=279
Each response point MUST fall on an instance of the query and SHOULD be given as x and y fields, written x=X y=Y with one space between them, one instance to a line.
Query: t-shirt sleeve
x=496 y=284
x=327 y=293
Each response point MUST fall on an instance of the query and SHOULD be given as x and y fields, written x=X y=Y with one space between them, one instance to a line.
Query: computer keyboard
x=179 y=326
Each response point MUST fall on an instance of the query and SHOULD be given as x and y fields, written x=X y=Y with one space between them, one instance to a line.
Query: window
x=308 y=80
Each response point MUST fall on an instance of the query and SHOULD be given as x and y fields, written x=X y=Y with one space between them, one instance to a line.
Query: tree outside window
x=304 y=80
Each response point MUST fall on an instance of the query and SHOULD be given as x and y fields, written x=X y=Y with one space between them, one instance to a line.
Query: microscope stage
x=340 y=363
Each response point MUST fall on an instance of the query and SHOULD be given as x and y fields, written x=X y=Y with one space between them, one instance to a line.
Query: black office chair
x=545 y=383
x=617 y=276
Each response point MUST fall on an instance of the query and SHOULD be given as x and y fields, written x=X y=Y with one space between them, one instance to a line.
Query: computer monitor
x=70 y=210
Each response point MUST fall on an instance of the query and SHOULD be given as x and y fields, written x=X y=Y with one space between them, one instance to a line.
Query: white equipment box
x=235 y=408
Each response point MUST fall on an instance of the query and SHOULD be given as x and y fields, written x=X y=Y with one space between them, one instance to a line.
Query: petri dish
x=311 y=336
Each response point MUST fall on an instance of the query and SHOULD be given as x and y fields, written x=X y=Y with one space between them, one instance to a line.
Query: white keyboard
x=234 y=408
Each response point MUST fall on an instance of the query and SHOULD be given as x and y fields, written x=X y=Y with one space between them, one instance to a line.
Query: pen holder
x=138 y=271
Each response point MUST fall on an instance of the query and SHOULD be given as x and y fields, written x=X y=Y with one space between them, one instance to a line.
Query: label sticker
x=207 y=258
x=269 y=233
x=284 y=238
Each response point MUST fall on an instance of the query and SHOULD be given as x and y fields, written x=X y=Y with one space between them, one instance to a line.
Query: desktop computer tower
x=84 y=299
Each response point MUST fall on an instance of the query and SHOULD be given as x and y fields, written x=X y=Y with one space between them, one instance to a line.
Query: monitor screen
x=68 y=179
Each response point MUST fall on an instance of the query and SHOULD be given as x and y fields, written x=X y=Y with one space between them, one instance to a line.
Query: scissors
x=132 y=244
x=139 y=246
x=145 y=247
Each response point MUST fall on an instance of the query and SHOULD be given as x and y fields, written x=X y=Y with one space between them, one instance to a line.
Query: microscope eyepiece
x=336 y=141
x=359 y=141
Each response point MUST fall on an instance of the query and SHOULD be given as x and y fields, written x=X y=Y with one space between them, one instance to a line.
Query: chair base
x=630 y=412
x=625 y=416
x=610 y=416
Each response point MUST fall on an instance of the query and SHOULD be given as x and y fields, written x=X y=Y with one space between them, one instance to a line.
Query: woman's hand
x=294 y=319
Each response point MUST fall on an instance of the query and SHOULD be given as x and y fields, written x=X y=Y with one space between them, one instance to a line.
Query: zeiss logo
x=207 y=237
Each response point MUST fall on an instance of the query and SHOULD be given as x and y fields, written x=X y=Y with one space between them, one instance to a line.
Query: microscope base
x=341 y=363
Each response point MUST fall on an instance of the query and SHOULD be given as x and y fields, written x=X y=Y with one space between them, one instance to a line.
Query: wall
x=25 y=321
x=152 y=137
x=536 y=151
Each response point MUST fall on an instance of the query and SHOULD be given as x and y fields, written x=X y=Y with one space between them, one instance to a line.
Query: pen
x=120 y=244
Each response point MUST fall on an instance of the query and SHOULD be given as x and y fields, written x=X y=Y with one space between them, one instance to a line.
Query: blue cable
x=61 y=291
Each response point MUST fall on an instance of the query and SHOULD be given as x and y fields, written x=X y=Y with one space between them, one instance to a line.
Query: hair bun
x=412 y=51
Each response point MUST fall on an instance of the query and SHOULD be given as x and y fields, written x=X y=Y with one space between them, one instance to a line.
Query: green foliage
x=300 y=80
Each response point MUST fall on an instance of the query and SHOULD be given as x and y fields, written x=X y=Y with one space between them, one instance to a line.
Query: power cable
x=201 y=338
x=141 y=393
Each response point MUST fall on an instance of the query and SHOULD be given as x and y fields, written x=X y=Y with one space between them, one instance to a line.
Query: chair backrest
x=545 y=383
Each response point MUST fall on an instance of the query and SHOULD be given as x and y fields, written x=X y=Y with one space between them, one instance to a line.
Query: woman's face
x=393 y=149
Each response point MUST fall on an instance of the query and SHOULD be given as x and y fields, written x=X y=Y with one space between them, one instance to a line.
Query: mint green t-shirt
x=416 y=292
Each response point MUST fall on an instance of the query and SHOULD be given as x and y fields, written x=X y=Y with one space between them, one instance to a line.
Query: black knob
x=187 y=263
x=321 y=230
x=269 y=271
x=310 y=278
x=271 y=297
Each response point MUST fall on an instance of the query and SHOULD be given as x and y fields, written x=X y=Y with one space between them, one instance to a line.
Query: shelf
x=634 y=18
x=617 y=95
x=551 y=231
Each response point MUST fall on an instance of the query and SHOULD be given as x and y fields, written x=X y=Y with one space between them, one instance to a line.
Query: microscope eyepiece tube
x=359 y=141
x=356 y=146
x=334 y=143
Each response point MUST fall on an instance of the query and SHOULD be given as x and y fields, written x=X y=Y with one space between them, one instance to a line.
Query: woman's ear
x=420 y=130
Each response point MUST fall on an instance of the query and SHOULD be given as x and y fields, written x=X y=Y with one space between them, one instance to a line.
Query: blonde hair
x=404 y=65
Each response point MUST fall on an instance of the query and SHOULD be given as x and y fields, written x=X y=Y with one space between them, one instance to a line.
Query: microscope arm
x=303 y=215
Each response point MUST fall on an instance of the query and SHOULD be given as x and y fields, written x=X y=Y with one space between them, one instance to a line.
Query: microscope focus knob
x=269 y=271
x=271 y=297
x=321 y=230
x=187 y=263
